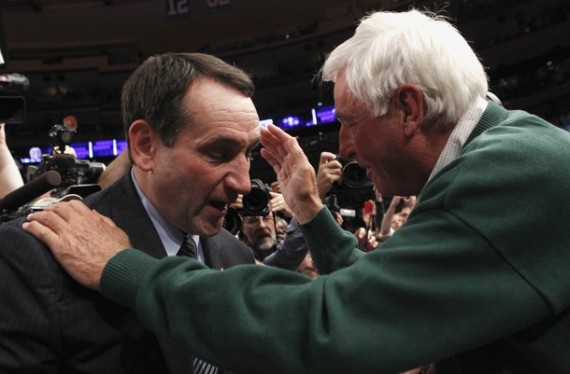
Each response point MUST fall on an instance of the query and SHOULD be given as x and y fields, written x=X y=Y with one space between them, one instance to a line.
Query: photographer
x=330 y=173
x=259 y=214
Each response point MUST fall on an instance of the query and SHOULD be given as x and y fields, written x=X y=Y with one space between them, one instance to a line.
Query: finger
x=270 y=141
x=48 y=218
x=268 y=156
x=326 y=157
x=108 y=221
x=69 y=209
x=276 y=187
x=282 y=142
x=359 y=233
x=41 y=232
x=335 y=174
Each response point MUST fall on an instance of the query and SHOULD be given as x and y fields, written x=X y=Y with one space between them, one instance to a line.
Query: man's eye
x=224 y=155
x=220 y=156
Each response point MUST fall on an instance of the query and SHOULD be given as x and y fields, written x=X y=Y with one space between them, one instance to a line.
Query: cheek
x=367 y=148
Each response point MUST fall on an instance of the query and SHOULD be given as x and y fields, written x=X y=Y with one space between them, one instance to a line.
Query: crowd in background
x=376 y=220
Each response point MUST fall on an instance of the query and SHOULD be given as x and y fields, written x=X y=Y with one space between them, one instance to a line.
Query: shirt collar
x=170 y=236
x=459 y=135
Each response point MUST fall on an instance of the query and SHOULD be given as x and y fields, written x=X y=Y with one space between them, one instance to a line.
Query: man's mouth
x=263 y=235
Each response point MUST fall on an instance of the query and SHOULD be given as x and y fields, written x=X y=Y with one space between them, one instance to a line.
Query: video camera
x=12 y=107
x=61 y=174
x=77 y=176
x=254 y=204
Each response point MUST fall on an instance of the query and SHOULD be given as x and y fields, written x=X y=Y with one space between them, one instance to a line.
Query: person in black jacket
x=191 y=125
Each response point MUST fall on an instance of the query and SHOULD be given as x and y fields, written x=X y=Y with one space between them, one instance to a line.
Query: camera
x=232 y=221
x=13 y=107
x=347 y=197
x=77 y=176
x=254 y=204
x=353 y=177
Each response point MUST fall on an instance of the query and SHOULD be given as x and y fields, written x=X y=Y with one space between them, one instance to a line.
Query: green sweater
x=477 y=279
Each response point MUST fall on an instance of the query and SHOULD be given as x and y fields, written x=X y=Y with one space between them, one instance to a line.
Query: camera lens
x=255 y=202
x=354 y=176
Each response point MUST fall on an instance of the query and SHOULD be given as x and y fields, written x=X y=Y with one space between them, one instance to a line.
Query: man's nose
x=345 y=144
x=238 y=177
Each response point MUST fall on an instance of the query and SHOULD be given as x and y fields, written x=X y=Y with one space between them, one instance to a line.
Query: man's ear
x=144 y=142
x=410 y=98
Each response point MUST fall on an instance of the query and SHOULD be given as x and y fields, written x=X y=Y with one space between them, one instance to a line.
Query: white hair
x=389 y=49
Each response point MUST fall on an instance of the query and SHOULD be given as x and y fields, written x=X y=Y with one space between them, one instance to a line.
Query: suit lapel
x=123 y=206
x=212 y=255
x=129 y=214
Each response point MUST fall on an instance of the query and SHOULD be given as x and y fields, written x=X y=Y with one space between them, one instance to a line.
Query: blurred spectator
x=395 y=215
x=277 y=205
x=260 y=233
x=280 y=227
x=115 y=170
x=308 y=267
x=329 y=173
x=10 y=176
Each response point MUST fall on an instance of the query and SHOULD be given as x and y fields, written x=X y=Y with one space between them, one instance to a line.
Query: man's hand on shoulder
x=82 y=240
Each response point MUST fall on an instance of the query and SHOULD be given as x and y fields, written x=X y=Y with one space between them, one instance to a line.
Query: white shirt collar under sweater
x=459 y=135
x=170 y=236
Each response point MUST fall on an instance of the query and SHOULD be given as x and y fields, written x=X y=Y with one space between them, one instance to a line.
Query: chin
x=207 y=229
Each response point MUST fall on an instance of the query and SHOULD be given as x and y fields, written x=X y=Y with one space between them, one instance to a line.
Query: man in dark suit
x=191 y=126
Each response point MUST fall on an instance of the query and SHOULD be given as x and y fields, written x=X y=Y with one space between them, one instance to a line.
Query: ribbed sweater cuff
x=123 y=275
x=323 y=225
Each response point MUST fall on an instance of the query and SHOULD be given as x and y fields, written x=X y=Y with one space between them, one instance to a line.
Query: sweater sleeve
x=373 y=316
x=465 y=270
x=331 y=247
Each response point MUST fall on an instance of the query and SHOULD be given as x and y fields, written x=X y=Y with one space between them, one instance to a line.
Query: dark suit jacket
x=51 y=324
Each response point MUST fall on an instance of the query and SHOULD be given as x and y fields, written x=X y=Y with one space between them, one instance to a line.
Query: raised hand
x=330 y=171
x=295 y=174
x=277 y=204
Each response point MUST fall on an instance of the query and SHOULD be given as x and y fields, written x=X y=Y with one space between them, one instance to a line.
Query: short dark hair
x=155 y=89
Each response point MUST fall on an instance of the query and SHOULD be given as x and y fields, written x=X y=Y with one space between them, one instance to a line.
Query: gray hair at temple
x=389 y=49
x=154 y=92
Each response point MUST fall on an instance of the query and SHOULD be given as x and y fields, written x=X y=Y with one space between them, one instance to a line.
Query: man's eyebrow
x=220 y=141
x=226 y=141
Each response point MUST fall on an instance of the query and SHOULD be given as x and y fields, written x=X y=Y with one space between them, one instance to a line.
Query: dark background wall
x=78 y=53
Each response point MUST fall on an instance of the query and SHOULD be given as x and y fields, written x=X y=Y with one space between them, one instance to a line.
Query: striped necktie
x=202 y=367
x=188 y=249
